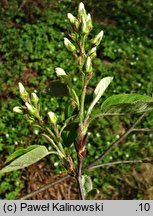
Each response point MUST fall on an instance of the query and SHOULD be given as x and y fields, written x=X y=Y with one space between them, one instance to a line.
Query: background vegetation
x=31 y=46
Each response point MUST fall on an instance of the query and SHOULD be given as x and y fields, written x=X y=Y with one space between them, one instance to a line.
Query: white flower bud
x=23 y=93
x=30 y=107
x=69 y=45
x=84 y=27
x=89 y=22
x=96 y=41
x=81 y=10
x=21 y=88
x=88 y=66
x=17 y=109
x=52 y=117
x=60 y=72
x=71 y=18
x=34 y=99
x=81 y=6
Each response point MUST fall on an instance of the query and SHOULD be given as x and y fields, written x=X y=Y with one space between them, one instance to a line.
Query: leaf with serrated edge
x=27 y=159
x=99 y=90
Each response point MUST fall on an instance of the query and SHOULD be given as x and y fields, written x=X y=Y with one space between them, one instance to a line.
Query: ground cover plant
x=86 y=107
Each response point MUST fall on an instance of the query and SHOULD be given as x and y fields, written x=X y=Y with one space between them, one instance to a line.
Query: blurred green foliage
x=31 y=46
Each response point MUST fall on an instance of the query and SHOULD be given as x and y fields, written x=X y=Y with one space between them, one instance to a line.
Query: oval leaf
x=27 y=159
x=20 y=152
x=127 y=103
x=99 y=90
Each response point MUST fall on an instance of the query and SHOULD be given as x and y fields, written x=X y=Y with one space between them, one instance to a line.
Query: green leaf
x=70 y=133
x=70 y=138
x=57 y=89
x=20 y=152
x=72 y=126
x=91 y=195
x=26 y=159
x=127 y=103
x=99 y=90
x=86 y=184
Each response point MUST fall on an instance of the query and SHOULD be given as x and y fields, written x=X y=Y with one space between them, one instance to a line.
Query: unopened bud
x=21 y=88
x=52 y=117
x=34 y=99
x=88 y=66
x=17 y=109
x=32 y=110
x=84 y=27
x=60 y=72
x=92 y=53
x=69 y=45
x=23 y=93
x=89 y=22
x=81 y=10
x=71 y=18
x=96 y=41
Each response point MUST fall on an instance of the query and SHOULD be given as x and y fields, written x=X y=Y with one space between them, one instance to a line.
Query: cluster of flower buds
x=82 y=24
x=31 y=108
x=84 y=19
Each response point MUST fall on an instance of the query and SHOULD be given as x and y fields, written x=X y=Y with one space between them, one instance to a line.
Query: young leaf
x=100 y=89
x=26 y=159
x=127 y=103
x=87 y=184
